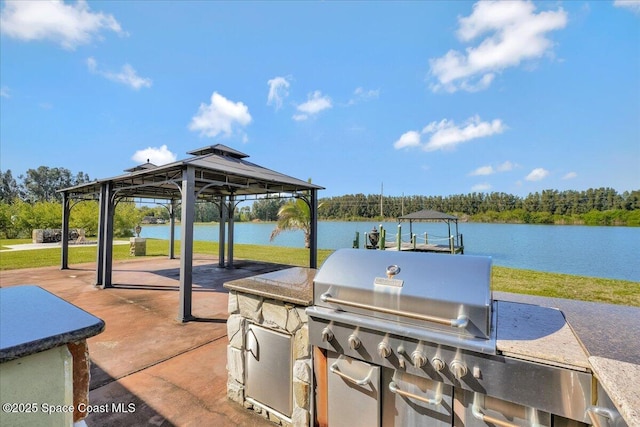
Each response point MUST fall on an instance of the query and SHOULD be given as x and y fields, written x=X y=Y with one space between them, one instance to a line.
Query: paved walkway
x=173 y=373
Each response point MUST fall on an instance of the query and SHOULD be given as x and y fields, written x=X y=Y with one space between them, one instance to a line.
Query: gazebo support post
x=102 y=218
x=172 y=229
x=186 y=245
x=313 y=238
x=66 y=210
x=221 y=239
x=230 y=212
x=109 y=214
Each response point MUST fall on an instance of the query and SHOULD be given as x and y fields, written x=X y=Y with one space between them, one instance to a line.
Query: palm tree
x=294 y=215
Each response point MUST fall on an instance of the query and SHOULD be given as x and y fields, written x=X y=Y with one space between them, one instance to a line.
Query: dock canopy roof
x=428 y=215
x=219 y=171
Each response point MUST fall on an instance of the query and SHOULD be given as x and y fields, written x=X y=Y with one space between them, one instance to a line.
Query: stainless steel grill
x=424 y=295
x=410 y=339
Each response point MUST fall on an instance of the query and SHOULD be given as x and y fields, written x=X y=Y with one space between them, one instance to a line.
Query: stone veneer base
x=278 y=316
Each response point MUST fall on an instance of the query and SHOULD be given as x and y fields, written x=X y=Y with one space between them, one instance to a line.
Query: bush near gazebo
x=18 y=219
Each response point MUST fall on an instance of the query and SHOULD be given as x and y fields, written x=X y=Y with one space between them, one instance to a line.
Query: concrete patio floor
x=173 y=373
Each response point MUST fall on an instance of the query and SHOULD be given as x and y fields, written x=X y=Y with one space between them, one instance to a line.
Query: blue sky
x=420 y=98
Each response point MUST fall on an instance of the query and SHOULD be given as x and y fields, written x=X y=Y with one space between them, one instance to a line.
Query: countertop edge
x=33 y=320
x=265 y=294
x=616 y=377
x=33 y=347
x=292 y=285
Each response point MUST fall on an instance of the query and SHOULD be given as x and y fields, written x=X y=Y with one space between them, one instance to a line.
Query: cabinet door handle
x=252 y=345
x=596 y=413
x=476 y=410
x=393 y=387
x=334 y=368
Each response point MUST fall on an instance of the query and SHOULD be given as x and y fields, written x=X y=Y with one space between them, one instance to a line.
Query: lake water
x=609 y=252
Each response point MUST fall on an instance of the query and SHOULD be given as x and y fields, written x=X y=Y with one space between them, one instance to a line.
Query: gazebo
x=215 y=173
x=427 y=215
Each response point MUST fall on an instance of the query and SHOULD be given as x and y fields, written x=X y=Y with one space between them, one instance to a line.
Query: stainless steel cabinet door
x=478 y=410
x=269 y=370
x=353 y=395
x=411 y=401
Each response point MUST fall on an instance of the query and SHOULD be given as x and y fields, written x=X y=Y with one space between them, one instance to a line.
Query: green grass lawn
x=504 y=279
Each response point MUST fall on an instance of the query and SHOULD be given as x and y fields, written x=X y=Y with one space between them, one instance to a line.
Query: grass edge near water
x=504 y=279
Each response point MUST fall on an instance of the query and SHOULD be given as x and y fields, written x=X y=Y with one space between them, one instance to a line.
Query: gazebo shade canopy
x=219 y=171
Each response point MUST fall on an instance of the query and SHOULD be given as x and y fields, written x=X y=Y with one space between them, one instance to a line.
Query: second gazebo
x=455 y=243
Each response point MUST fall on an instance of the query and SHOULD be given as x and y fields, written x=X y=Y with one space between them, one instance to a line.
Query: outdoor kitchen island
x=269 y=356
x=528 y=369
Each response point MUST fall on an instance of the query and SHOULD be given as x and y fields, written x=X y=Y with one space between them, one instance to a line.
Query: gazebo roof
x=428 y=215
x=219 y=171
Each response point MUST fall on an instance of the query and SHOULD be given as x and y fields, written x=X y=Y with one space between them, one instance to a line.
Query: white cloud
x=126 y=76
x=490 y=170
x=219 y=117
x=505 y=167
x=514 y=33
x=316 y=102
x=157 y=156
x=360 y=95
x=537 y=174
x=69 y=25
x=4 y=92
x=278 y=90
x=481 y=187
x=445 y=134
x=483 y=170
x=92 y=64
x=570 y=175
x=632 y=5
x=408 y=139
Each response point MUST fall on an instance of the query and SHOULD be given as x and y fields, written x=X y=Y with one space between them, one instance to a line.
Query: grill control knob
x=384 y=350
x=327 y=335
x=458 y=368
x=418 y=358
x=437 y=363
x=354 y=342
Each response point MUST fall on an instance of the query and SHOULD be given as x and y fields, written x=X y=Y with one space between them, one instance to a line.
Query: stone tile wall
x=281 y=317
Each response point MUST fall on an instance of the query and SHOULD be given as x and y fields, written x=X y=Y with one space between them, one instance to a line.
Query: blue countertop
x=33 y=320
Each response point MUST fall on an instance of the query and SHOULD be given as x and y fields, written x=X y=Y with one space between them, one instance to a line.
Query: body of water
x=609 y=252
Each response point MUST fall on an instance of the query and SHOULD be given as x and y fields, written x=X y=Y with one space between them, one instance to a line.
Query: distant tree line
x=548 y=207
x=32 y=202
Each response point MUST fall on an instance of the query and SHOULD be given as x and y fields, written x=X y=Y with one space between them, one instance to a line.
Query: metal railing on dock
x=410 y=242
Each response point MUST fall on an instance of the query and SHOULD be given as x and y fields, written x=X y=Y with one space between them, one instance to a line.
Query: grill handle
x=476 y=410
x=460 y=322
x=597 y=412
x=393 y=387
x=334 y=368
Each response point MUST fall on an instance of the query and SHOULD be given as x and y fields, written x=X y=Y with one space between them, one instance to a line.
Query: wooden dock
x=418 y=247
x=381 y=240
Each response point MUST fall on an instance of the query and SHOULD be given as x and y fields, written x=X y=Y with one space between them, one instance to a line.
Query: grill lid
x=435 y=291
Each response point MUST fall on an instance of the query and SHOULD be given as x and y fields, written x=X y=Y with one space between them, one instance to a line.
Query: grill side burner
x=427 y=324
